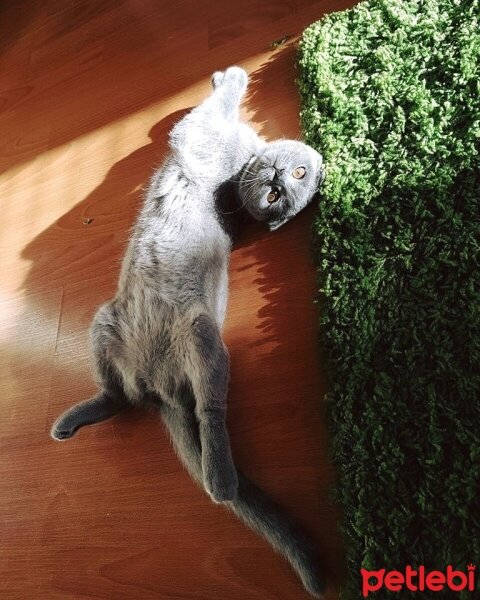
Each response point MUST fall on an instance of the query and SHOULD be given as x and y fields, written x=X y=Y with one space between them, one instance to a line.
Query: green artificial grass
x=391 y=98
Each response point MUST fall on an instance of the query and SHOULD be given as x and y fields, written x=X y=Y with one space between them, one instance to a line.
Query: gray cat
x=158 y=342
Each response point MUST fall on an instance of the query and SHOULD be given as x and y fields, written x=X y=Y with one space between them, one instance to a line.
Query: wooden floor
x=88 y=92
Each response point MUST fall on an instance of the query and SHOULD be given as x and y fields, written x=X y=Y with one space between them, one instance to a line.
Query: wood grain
x=88 y=93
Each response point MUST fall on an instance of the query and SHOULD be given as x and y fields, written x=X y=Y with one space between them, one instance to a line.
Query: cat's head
x=279 y=181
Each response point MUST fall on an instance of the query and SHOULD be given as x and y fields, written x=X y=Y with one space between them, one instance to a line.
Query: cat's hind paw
x=64 y=427
x=60 y=435
x=222 y=487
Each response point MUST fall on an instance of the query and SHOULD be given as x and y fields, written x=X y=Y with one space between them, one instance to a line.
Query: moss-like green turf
x=390 y=96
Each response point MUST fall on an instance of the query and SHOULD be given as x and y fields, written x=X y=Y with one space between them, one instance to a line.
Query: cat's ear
x=272 y=225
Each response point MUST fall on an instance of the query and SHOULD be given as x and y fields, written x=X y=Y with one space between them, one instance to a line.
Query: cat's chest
x=205 y=242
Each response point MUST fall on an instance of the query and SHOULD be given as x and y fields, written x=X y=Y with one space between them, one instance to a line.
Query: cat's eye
x=299 y=172
x=272 y=196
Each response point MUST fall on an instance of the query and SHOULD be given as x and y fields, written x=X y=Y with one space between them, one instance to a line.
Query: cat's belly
x=156 y=319
x=217 y=293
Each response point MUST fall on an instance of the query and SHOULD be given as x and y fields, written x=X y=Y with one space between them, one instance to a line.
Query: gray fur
x=158 y=342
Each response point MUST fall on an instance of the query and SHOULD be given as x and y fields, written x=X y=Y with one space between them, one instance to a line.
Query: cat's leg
x=101 y=407
x=111 y=400
x=251 y=505
x=229 y=88
x=208 y=371
x=203 y=138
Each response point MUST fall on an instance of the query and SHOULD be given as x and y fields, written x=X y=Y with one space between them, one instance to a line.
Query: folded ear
x=272 y=225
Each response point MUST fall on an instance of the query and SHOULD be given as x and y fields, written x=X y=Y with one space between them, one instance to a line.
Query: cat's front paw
x=217 y=79
x=234 y=77
x=222 y=485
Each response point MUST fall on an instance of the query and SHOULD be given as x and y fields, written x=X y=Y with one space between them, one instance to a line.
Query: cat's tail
x=251 y=505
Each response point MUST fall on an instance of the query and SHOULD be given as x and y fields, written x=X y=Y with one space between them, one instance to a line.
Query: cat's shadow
x=104 y=216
